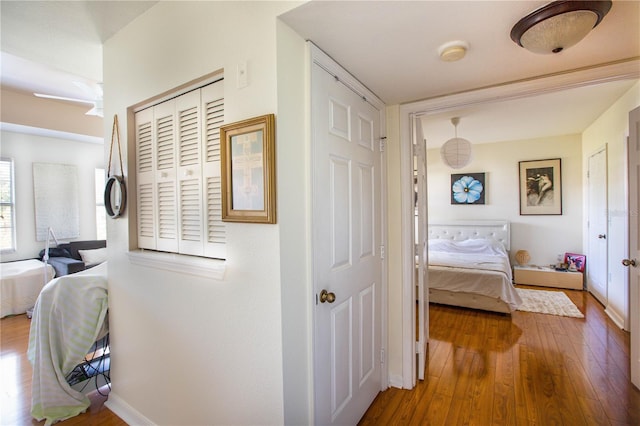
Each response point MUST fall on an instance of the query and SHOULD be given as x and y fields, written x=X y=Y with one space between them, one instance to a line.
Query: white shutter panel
x=213 y=117
x=165 y=177
x=189 y=150
x=145 y=179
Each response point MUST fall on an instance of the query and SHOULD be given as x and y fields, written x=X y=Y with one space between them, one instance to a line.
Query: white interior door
x=347 y=245
x=597 y=256
x=419 y=150
x=634 y=242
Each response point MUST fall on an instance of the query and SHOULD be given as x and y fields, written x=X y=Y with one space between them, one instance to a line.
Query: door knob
x=327 y=296
x=602 y=236
x=629 y=262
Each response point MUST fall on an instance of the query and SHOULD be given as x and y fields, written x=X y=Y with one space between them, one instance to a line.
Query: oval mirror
x=115 y=196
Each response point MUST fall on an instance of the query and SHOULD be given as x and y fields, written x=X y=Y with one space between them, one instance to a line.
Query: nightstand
x=547 y=277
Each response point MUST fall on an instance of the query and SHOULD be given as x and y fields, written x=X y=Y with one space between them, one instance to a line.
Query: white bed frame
x=465 y=230
x=499 y=230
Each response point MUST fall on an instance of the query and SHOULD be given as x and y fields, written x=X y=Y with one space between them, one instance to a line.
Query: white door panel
x=420 y=160
x=634 y=242
x=597 y=276
x=347 y=234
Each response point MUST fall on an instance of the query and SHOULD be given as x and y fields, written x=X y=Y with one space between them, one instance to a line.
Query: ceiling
x=391 y=46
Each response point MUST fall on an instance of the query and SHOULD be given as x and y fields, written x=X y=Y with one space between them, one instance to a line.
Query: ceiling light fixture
x=456 y=152
x=453 y=50
x=558 y=25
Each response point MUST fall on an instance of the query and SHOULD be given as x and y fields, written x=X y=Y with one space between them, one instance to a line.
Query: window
x=7 y=206
x=179 y=201
x=101 y=214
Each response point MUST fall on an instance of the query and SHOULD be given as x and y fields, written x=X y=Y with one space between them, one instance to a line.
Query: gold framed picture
x=247 y=150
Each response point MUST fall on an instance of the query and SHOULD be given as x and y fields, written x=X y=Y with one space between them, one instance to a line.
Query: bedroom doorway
x=597 y=208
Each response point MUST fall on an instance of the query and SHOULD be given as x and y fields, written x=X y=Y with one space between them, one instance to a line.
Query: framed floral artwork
x=540 y=187
x=468 y=188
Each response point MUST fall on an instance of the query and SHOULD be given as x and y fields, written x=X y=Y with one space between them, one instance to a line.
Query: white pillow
x=93 y=257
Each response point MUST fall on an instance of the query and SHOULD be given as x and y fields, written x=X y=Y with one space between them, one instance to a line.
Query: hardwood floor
x=483 y=369
x=15 y=379
x=527 y=369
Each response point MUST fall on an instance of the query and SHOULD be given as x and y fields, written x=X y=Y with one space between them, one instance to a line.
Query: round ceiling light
x=558 y=25
x=453 y=50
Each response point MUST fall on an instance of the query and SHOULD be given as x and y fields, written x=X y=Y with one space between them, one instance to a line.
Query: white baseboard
x=615 y=317
x=396 y=381
x=126 y=412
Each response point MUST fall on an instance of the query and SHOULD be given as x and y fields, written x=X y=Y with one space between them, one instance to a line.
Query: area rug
x=548 y=302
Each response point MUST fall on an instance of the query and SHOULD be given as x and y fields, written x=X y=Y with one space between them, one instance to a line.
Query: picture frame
x=579 y=260
x=247 y=153
x=468 y=188
x=540 y=187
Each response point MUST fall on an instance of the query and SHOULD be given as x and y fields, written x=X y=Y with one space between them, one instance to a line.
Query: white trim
x=522 y=89
x=48 y=133
x=615 y=317
x=183 y=264
x=126 y=412
x=622 y=70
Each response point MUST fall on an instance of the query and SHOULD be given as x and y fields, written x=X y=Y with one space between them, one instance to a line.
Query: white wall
x=26 y=149
x=544 y=237
x=612 y=129
x=191 y=350
x=294 y=207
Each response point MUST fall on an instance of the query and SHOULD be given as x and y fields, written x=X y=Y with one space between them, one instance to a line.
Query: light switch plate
x=241 y=75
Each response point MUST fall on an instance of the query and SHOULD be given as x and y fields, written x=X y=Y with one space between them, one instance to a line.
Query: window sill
x=193 y=265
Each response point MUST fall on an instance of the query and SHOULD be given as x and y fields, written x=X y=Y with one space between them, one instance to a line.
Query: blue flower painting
x=467 y=188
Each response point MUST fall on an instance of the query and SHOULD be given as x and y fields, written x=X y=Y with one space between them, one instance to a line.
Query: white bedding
x=475 y=266
x=20 y=284
x=69 y=316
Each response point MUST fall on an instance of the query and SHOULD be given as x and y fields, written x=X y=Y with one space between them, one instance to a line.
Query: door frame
x=319 y=57
x=522 y=89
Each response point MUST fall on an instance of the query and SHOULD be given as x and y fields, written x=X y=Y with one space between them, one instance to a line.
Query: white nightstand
x=547 y=277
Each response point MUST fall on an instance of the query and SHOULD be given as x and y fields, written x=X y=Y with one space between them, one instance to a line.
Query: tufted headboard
x=464 y=230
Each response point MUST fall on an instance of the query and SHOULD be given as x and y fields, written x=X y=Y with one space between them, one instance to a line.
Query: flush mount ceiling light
x=453 y=50
x=558 y=25
x=456 y=152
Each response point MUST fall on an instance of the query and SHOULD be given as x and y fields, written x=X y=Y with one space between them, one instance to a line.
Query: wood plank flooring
x=15 y=382
x=524 y=369
x=483 y=369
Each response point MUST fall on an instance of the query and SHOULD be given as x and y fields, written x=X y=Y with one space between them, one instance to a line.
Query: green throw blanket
x=67 y=319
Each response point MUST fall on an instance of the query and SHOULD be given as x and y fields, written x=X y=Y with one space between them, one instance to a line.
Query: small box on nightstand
x=547 y=277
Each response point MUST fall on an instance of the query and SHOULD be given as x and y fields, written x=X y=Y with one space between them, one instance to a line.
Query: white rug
x=548 y=302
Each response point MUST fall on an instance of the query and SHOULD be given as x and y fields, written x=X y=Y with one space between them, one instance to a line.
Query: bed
x=69 y=317
x=20 y=284
x=469 y=266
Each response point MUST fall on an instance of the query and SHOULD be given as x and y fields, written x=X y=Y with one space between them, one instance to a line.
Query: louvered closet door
x=213 y=117
x=165 y=177
x=190 y=196
x=145 y=154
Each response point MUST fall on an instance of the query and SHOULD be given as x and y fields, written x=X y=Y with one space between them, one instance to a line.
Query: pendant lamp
x=558 y=25
x=456 y=152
